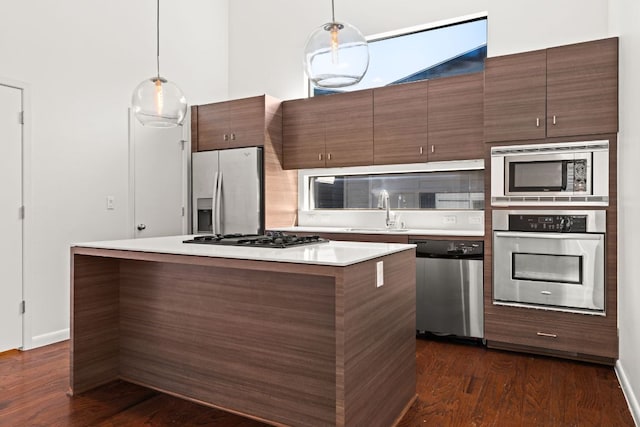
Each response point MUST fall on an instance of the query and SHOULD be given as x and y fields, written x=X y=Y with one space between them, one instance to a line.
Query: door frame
x=186 y=182
x=26 y=183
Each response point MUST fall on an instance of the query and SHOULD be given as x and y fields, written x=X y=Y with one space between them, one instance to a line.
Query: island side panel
x=377 y=348
x=259 y=343
x=94 y=321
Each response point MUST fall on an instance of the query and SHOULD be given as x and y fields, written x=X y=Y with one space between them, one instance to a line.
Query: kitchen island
x=316 y=335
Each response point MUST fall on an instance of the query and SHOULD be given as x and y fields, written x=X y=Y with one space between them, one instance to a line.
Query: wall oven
x=550 y=259
x=571 y=173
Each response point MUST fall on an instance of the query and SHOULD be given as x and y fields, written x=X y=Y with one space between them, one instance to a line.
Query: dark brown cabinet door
x=303 y=133
x=348 y=123
x=247 y=122
x=400 y=123
x=455 y=118
x=213 y=126
x=582 y=88
x=231 y=124
x=515 y=97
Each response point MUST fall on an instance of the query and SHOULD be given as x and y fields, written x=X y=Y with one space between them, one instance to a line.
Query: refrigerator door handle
x=214 y=228
x=217 y=203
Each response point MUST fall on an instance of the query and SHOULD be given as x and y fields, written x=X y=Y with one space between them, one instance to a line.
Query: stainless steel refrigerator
x=227 y=191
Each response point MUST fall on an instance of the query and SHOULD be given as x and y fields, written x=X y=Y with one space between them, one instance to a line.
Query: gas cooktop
x=271 y=239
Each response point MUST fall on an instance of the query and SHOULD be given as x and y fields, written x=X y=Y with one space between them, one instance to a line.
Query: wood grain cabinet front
x=328 y=131
x=230 y=124
x=455 y=118
x=562 y=91
x=435 y=120
x=400 y=132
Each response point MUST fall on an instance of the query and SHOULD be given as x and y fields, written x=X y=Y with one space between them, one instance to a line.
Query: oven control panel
x=548 y=223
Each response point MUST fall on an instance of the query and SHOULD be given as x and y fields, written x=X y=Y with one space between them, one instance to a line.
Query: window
x=456 y=189
x=420 y=53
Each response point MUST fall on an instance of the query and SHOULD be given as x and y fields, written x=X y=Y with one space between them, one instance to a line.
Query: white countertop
x=365 y=230
x=332 y=253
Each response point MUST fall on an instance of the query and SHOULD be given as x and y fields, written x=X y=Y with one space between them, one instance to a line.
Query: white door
x=10 y=218
x=159 y=178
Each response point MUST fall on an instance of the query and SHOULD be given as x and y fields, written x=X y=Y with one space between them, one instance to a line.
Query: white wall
x=267 y=38
x=82 y=61
x=624 y=17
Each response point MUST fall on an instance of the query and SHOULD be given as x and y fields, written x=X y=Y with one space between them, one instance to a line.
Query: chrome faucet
x=383 y=203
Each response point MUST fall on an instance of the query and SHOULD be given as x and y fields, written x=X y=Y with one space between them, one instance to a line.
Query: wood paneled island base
x=285 y=343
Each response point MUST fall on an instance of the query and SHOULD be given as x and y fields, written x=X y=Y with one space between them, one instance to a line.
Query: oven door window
x=550 y=268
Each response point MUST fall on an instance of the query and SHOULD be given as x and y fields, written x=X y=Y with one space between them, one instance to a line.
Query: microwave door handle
x=558 y=236
x=217 y=212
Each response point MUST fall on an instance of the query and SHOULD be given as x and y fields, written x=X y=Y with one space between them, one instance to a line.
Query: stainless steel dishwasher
x=449 y=291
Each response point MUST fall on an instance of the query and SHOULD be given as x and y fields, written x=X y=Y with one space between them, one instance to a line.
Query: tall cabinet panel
x=400 y=123
x=515 y=96
x=582 y=88
x=455 y=118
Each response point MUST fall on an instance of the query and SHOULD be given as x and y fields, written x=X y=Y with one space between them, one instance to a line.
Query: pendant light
x=156 y=101
x=336 y=54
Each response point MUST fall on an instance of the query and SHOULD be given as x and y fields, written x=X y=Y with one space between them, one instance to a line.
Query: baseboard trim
x=49 y=338
x=632 y=400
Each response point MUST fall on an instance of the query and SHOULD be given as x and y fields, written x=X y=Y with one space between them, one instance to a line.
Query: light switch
x=379 y=274
x=110 y=202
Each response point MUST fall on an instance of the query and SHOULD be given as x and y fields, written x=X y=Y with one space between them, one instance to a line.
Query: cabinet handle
x=319 y=156
x=233 y=136
x=543 y=334
x=225 y=137
x=537 y=122
x=329 y=156
x=433 y=148
x=554 y=120
x=420 y=150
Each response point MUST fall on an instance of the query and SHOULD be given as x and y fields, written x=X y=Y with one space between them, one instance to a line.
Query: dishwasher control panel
x=467 y=249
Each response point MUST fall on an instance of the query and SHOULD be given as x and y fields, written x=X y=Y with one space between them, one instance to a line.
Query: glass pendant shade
x=336 y=55
x=157 y=102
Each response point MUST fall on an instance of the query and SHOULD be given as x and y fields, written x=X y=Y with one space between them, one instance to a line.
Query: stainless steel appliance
x=449 y=295
x=272 y=239
x=550 y=259
x=227 y=191
x=571 y=173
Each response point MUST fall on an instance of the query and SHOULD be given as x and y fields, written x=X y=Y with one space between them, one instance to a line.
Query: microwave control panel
x=548 y=223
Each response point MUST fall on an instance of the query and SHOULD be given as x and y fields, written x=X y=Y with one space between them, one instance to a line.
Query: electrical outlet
x=449 y=219
x=379 y=273
x=110 y=202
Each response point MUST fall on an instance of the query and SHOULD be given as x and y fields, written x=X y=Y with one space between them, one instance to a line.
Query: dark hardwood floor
x=458 y=385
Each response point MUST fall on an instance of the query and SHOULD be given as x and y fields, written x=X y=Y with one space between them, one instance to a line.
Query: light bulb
x=334 y=43
x=159 y=99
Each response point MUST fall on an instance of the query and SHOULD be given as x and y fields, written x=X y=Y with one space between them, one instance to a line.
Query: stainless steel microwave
x=571 y=173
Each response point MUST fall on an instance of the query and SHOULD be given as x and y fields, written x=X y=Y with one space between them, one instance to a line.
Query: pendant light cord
x=333 y=12
x=158 y=37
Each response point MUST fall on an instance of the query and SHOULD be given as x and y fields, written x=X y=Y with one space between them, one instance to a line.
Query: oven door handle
x=558 y=236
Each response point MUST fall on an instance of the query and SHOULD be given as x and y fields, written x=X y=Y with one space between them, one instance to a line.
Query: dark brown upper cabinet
x=400 y=128
x=455 y=118
x=435 y=120
x=328 y=131
x=562 y=91
x=230 y=124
